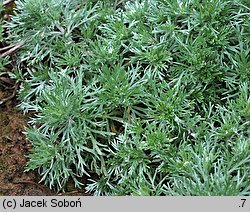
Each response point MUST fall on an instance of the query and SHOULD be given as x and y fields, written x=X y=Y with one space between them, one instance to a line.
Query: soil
x=13 y=148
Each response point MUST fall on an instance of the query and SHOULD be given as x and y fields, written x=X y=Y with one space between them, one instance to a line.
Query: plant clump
x=141 y=97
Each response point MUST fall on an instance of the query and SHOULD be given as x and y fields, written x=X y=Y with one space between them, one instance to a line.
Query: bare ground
x=13 y=148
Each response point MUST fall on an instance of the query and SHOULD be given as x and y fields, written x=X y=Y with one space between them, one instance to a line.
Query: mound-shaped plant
x=142 y=97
